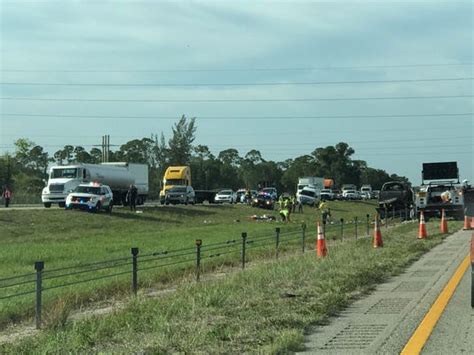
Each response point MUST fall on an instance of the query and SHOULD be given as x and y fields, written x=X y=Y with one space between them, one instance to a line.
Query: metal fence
x=43 y=279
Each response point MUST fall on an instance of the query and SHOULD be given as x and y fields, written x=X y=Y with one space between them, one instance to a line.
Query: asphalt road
x=384 y=321
x=454 y=332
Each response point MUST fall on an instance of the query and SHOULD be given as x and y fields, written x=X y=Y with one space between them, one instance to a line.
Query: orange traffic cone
x=467 y=223
x=378 y=243
x=422 y=231
x=321 y=243
x=444 y=223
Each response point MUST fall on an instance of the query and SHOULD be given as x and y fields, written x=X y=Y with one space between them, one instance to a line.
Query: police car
x=91 y=197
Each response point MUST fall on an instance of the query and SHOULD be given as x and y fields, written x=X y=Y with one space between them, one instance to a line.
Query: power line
x=240 y=100
x=303 y=145
x=238 y=84
x=449 y=114
x=234 y=69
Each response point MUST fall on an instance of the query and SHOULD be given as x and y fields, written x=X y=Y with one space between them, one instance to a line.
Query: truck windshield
x=64 y=173
x=178 y=189
x=175 y=182
x=88 y=190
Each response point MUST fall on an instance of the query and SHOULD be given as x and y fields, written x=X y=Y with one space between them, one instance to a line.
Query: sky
x=392 y=79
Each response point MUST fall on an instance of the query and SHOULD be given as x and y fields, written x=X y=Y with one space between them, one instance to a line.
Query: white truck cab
x=442 y=192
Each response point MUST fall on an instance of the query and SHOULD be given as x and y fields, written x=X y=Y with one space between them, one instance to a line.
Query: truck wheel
x=47 y=204
x=62 y=204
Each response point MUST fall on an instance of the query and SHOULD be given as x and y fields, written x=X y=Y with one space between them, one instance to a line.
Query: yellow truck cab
x=175 y=176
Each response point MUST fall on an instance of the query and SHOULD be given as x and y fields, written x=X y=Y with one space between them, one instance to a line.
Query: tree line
x=26 y=168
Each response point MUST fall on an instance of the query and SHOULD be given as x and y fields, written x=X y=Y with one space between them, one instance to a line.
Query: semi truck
x=181 y=176
x=175 y=176
x=119 y=176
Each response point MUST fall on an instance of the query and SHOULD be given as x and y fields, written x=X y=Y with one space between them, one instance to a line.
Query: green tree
x=180 y=144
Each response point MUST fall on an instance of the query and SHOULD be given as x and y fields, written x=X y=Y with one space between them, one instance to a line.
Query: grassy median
x=68 y=238
x=265 y=308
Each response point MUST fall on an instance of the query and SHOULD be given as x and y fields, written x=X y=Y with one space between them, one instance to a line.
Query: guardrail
x=44 y=279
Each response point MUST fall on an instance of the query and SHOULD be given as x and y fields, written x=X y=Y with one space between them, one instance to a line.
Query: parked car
x=364 y=195
x=224 y=196
x=264 y=201
x=327 y=194
x=337 y=194
x=240 y=195
x=91 y=197
x=351 y=195
x=270 y=191
x=180 y=194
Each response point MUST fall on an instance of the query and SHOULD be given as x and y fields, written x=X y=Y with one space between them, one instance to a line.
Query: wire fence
x=274 y=242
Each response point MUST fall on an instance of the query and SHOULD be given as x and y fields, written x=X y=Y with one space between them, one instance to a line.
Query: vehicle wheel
x=167 y=203
x=62 y=204
x=47 y=204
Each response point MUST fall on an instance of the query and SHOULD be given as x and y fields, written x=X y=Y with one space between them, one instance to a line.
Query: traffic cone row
x=444 y=223
x=322 y=250
x=321 y=243
x=422 y=234
x=378 y=242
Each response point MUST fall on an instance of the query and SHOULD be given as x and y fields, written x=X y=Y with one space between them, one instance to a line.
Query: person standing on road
x=7 y=195
x=132 y=197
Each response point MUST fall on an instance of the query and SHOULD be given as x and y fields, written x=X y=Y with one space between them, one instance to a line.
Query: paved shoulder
x=384 y=321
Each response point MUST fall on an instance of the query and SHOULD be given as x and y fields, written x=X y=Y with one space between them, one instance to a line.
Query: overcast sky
x=280 y=77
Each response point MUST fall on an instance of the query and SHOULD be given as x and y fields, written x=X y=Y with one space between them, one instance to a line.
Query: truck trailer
x=118 y=176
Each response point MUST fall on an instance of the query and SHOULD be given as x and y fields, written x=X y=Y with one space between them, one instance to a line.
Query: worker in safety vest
x=7 y=195
x=284 y=212
x=325 y=211
x=293 y=203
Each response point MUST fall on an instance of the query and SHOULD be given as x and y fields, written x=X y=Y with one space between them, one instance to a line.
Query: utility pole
x=105 y=148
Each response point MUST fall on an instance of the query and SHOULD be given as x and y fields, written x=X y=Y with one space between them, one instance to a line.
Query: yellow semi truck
x=175 y=176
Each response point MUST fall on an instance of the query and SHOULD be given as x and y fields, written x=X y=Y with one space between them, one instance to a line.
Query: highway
x=386 y=320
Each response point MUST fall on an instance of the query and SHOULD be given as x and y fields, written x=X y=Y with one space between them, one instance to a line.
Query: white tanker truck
x=119 y=176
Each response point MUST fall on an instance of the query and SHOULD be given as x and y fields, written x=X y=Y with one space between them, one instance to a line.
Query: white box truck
x=119 y=176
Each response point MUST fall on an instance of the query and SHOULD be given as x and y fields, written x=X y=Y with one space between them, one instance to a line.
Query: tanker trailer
x=118 y=176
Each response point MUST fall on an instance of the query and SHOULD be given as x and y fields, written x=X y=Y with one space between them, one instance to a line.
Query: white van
x=309 y=196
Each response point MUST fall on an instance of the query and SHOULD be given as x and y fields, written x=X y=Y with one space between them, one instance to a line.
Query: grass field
x=265 y=309
x=65 y=238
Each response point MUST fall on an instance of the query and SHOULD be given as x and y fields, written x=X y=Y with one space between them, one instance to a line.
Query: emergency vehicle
x=91 y=197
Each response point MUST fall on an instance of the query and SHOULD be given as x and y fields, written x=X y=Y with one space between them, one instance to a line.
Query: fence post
x=277 y=237
x=198 y=258
x=39 y=266
x=355 y=221
x=244 y=243
x=368 y=225
x=303 y=237
x=342 y=228
x=134 y=252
